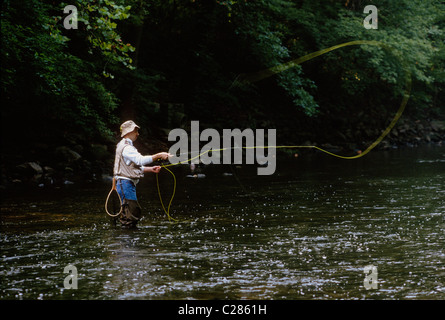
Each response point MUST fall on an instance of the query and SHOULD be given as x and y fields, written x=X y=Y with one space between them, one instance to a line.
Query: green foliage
x=99 y=21
x=48 y=84
x=267 y=28
x=133 y=56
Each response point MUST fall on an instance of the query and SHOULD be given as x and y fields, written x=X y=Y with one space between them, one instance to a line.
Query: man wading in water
x=129 y=167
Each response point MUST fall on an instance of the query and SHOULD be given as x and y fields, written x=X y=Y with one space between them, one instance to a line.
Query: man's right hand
x=163 y=155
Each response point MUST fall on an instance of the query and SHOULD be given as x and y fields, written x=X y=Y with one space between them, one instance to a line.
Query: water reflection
x=305 y=233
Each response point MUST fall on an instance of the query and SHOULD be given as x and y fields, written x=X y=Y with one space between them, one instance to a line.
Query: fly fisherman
x=129 y=167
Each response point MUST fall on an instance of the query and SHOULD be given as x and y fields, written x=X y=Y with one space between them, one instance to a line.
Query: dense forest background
x=163 y=63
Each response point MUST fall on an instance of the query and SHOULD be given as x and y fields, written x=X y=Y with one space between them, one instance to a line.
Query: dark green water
x=306 y=232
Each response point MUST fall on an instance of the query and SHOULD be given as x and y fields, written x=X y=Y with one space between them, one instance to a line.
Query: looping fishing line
x=113 y=189
x=257 y=76
x=167 y=211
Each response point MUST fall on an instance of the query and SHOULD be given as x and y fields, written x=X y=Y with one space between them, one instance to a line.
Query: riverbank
x=79 y=162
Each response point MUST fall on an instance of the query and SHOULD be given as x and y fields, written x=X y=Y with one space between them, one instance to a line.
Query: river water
x=307 y=232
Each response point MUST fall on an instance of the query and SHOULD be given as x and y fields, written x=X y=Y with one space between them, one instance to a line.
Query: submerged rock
x=28 y=172
x=196 y=176
x=437 y=125
x=66 y=154
x=35 y=167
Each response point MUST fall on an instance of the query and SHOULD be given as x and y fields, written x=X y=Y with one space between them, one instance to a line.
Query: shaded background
x=165 y=63
x=305 y=232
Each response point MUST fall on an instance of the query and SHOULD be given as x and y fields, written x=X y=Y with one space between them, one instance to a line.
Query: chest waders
x=131 y=211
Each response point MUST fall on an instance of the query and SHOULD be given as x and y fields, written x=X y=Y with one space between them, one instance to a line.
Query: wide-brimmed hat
x=127 y=127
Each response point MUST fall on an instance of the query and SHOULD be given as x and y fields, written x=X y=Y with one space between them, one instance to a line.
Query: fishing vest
x=121 y=169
